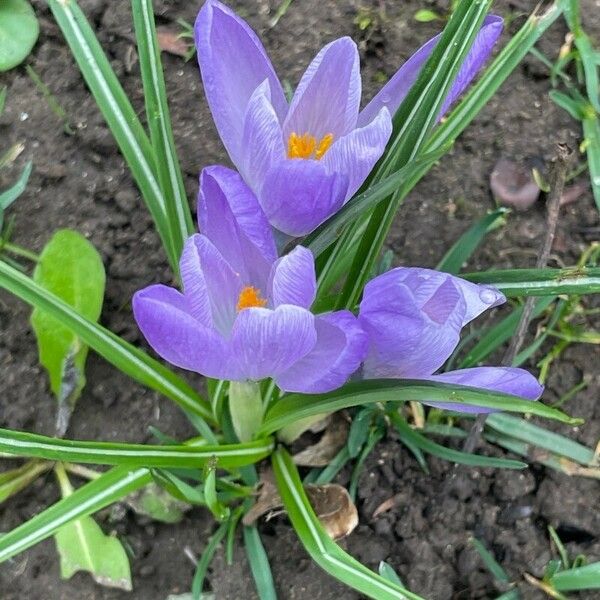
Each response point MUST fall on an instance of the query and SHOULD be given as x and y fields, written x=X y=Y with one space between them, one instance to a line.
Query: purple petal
x=357 y=152
x=327 y=98
x=341 y=346
x=396 y=89
x=233 y=63
x=209 y=283
x=268 y=342
x=231 y=217
x=262 y=142
x=298 y=195
x=164 y=318
x=507 y=380
x=293 y=279
x=413 y=318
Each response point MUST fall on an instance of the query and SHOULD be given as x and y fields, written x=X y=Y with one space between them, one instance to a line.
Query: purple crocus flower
x=413 y=318
x=244 y=314
x=306 y=158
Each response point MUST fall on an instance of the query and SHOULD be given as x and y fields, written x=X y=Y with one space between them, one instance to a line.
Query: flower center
x=307 y=146
x=250 y=298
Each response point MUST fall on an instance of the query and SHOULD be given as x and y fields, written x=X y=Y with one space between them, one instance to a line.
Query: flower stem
x=18 y=251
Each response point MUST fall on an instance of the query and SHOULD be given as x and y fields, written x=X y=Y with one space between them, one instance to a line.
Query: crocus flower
x=244 y=314
x=304 y=159
x=413 y=318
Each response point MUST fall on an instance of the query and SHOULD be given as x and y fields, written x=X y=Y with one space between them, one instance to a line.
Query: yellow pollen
x=250 y=298
x=306 y=145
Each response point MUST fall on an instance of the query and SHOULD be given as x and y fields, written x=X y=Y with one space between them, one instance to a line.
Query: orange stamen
x=306 y=146
x=250 y=298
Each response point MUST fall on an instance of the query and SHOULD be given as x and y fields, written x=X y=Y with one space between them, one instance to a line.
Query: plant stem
x=557 y=184
x=18 y=251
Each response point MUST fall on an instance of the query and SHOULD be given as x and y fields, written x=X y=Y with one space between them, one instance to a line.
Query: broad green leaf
x=71 y=268
x=82 y=546
x=154 y=502
x=11 y=194
x=19 y=30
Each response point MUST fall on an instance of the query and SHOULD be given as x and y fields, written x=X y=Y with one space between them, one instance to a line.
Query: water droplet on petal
x=488 y=296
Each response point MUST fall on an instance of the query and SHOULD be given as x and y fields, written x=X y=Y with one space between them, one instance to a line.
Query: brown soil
x=80 y=181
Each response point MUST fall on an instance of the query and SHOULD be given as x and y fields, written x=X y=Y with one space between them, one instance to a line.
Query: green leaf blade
x=298 y=406
x=159 y=122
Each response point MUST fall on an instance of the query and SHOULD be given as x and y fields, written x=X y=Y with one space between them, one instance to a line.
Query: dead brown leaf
x=331 y=503
x=333 y=440
x=170 y=41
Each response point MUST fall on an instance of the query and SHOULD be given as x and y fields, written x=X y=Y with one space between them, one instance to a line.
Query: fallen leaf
x=170 y=41
x=334 y=507
x=331 y=503
x=333 y=440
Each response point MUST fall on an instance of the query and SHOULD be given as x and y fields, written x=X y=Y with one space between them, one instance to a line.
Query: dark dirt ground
x=80 y=181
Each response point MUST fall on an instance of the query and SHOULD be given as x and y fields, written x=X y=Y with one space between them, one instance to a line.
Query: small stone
x=147 y=570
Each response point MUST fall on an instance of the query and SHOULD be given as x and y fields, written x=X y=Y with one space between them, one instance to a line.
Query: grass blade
x=412 y=123
x=129 y=359
x=20 y=443
x=580 y=578
x=591 y=134
x=293 y=407
x=326 y=233
x=323 y=550
x=108 y=488
x=495 y=336
x=118 y=113
x=259 y=564
x=159 y=122
x=461 y=251
x=456 y=456
x=538 y=436
x=205 y=560
x=541 y=282
x=11 y=194
x=490 y=562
